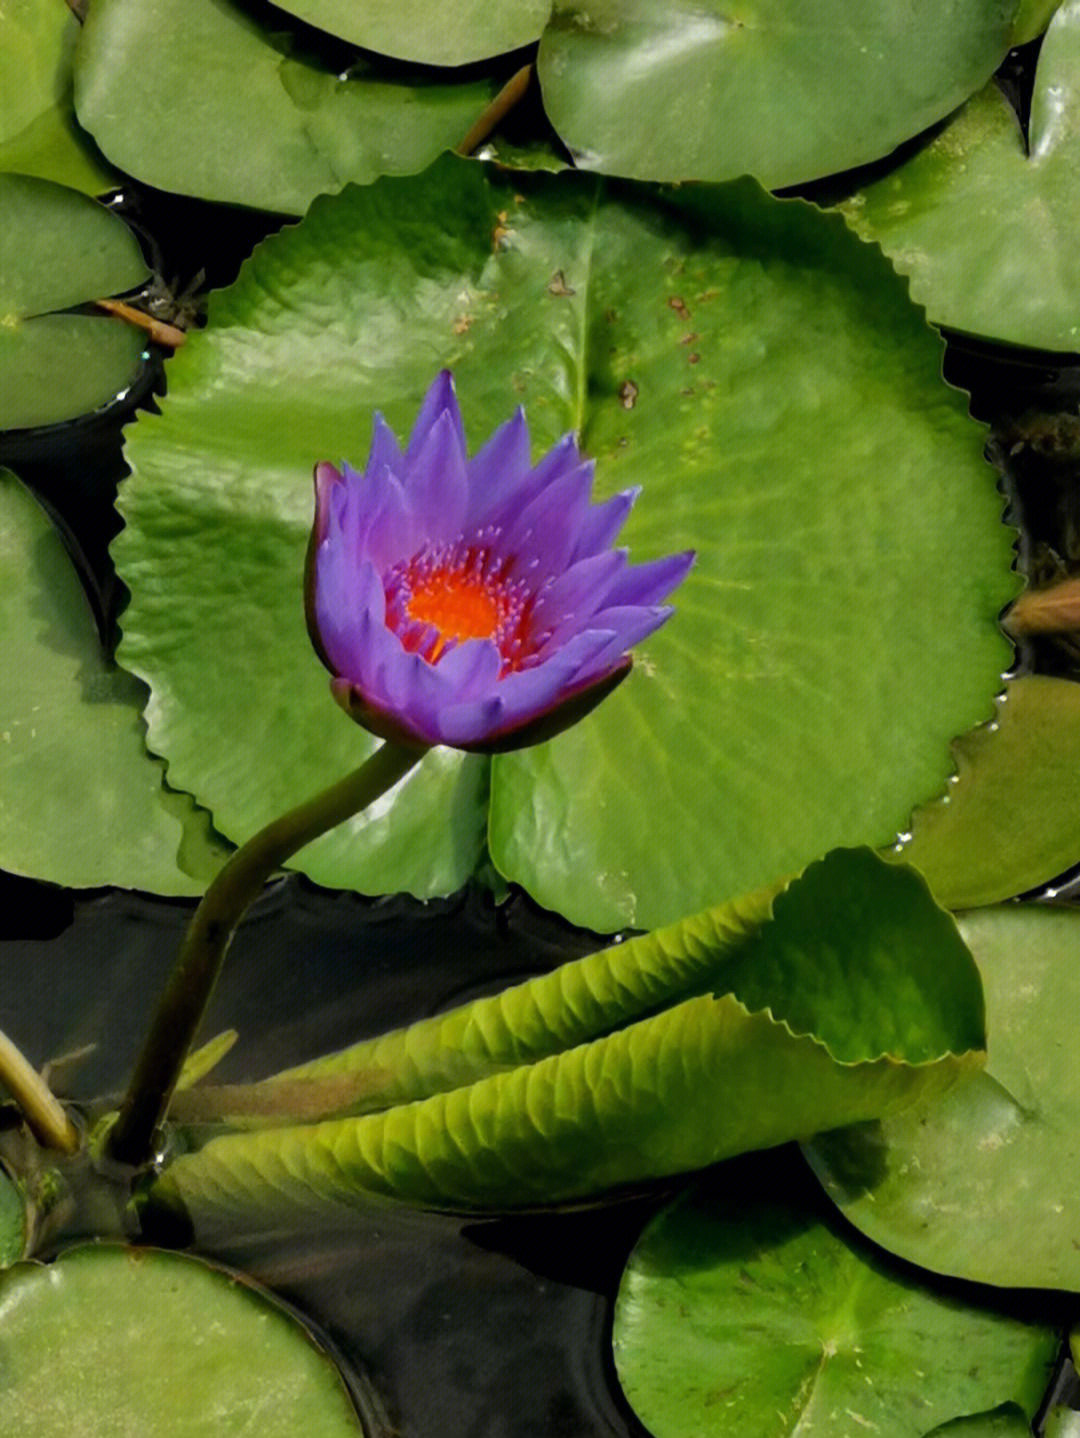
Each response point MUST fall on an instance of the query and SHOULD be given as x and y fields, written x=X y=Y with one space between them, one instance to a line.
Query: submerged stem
x=43 y=1112
x=210 y=932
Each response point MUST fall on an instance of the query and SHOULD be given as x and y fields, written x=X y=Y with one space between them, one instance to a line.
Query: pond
x=655 y=1013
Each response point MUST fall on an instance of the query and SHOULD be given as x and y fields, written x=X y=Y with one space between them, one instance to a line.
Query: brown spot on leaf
x=678 y=304
x=695 y=358
x=557 y=285
x=462 y=323
x=689 y=337
x=628 y=393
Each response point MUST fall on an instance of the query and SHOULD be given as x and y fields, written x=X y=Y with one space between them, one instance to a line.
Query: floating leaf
x=983 y=1185
x=1011 y=821
x=856 y=998
x=80 y=799
x=38 y=132
x=1031 y=19
x=746 y=1315
x=756 y=369
x=58 y=249
x=111 y=1340
x=787 y=91
x=452 y=32
x=284 y=125
x=985 y=227
x=13 y=1220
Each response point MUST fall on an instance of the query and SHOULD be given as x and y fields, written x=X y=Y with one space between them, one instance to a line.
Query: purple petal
x=381 y=520
x=329 y=500
x=385 y=451
x=601 y=525
x=440 y=399
x=532 y=691
x=350 y=612
x=650 y=583
x=546 y=529
x=579 y=592
x=562 y=459
x=497 y=470
x=470 y=668
x=627 y=627
x=435 y=484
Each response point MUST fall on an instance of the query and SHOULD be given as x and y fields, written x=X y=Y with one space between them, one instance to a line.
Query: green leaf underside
x=58 y=249
x=1011 y=821
x=753 y=1317
x=38 y=133
x=985 y=230
x=109 y=1341
x=574 y=1092
x=448 y=32
x=285 y=126
x=786 y=418
x=983 y=1186
x=80 y=800
x=717 y=90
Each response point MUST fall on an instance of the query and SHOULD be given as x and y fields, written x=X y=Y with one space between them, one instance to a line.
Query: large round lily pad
x=747 y=1315
x=446 y=32
x=81 y=801
x=59 y=249
x=986 y=226
x=111 y=1341
x=760 y=372
x=252 y=118
x=983 y=1185
x=785 y=90
x=38 y=131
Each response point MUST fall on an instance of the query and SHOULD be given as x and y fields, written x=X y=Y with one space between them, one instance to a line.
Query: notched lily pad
x=746 y=1315
x=984 y=226
x=983 y=1184
x=117 y=1340
x=708 y=91
x=38 y=131
x=285 y=124
x=81 y=801
x=60 y=249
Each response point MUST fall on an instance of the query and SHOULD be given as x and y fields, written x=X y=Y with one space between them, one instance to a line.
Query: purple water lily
x=475 y=602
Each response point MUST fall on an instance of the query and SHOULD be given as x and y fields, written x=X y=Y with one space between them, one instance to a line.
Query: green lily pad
x=855 y=997
x=111 y=1341
x=984 y=1184
x=1032 y=18
x=1008 y=1420
x=985 y=228
x=284 y=125
x=451 y=33
x=38 y=131
x=1011 y=820
x=785 y=90
x=81 y=801
x=58 y=249
x=756 y=369
x=13 y=1220
x=742 y=1314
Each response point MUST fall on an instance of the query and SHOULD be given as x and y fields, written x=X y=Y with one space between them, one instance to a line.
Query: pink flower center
x=448 y=593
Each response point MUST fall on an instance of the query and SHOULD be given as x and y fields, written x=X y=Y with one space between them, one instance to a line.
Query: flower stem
x=44 y=1114
x=210 y=932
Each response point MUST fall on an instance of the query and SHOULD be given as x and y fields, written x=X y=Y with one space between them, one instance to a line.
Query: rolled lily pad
x=983 y=1185
x=756 y=369
x=785 y=90
x=285 y=126
x=452 y=32
x=111 y=1340
x=747 y=1315
x=1011 y=820
x=59 y=249
x=854 y=997
x=984 y=226
x=38 y=131
x=81 y=801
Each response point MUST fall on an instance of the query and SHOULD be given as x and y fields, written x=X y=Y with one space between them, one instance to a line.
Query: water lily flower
x=476 y=603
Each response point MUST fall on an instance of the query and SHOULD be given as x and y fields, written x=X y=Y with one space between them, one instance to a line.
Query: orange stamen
x=457 y=603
